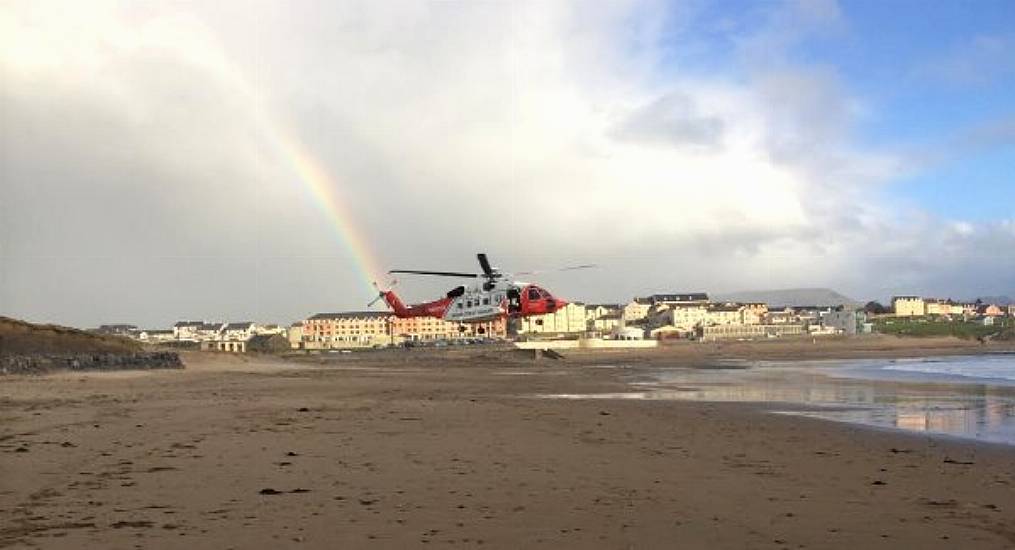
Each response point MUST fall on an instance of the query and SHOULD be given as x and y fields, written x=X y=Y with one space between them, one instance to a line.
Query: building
x=636 y=309
x=198 y=331
x=845 y=320
x=948 y=307
x=359 y=329
x=118 y=330
x=296 y=335
x=603 y=317
x=569 y=319
x=723 y=314
x=156 y=336
x=753 y=313
x=423 y=329
x=787 y=316
x=694 y=298
x=989 y=310
x=683 y=318
x=187 y=330
x=749 y=332
x=609 y=322
x=352 y=329
x=232 y=346
x=237 y=331
x=909 y=306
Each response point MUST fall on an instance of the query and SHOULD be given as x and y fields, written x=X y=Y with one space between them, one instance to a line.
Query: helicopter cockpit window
x=534 y=294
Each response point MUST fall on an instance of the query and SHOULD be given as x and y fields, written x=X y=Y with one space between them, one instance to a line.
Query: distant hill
x=20 y=337
x=998 y=300
x=789 y=297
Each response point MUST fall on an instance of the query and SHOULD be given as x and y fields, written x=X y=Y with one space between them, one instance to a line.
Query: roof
x=181 y=324
x=210 y=326
x=352 y=315
x=688 y=297
x=157 y=331
x=239 y=326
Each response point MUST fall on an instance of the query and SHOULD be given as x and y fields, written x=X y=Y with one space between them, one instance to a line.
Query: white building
x=570 y=319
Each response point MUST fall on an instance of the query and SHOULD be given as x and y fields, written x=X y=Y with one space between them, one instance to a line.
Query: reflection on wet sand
x=982 y=411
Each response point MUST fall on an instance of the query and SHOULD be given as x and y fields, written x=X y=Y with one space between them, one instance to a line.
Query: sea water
x=968 y=397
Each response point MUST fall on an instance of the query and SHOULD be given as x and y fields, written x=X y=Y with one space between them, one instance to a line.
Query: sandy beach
x=415 y=449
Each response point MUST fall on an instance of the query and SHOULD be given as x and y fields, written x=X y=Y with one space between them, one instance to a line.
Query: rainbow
x=323 y=192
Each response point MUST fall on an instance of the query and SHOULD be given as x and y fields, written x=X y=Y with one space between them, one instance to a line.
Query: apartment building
x=570 y=319
x=909 y=306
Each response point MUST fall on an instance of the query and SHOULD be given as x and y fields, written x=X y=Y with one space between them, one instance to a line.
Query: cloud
x=143 y=177
x=978 y=61
x=671 y=120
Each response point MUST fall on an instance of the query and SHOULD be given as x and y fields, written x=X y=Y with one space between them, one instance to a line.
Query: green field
x=929 y=326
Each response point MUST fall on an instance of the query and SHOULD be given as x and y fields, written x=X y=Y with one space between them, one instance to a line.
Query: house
x=296 y=335
x=609 y=322
x=156 y=336
x=989 y=310
x=187 y=330
x=196 y=330
x=845 y=320
x=636 y=309
x=683 y=317
x=238 y=331
x=118 y=330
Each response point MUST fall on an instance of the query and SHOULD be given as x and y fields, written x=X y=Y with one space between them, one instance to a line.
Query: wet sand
x=422 y=450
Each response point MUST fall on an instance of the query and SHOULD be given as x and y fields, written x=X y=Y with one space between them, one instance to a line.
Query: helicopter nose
x=560 y=303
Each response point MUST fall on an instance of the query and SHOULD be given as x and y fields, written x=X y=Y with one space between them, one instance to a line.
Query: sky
x=268 y=160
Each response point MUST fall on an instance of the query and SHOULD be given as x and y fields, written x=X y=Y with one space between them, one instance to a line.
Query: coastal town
x=653 y=318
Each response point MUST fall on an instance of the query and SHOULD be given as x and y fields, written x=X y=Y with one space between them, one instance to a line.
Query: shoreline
x=419 y=450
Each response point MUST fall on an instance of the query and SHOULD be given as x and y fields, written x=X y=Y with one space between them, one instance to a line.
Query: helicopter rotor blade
x=569 y=268
x=485 y=264
x=436 y=273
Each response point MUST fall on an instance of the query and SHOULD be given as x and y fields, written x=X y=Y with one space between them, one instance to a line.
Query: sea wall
x=40 y=363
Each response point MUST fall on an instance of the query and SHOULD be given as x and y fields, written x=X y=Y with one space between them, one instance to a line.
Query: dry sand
x=397 y=450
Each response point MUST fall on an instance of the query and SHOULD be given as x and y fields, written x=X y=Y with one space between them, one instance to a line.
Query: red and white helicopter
x=494 y=298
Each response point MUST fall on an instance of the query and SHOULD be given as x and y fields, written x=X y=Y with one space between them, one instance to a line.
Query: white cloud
x=541 y=133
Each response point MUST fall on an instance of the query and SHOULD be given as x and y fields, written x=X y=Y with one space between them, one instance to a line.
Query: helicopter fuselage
x=480 y=305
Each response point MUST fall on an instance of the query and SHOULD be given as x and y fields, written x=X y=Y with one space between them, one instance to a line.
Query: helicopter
x=495 y=297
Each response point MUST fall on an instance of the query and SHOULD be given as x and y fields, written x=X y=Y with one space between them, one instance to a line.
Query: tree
x=875 y=308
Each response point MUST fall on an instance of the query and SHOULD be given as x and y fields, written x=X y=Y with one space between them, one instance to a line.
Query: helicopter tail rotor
x=381 y=293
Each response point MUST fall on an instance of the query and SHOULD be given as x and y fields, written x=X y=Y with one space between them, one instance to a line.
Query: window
x=459 y=305
x=486 y=301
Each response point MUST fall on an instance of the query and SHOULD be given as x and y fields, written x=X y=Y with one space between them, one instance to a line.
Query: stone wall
x=40 y=363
